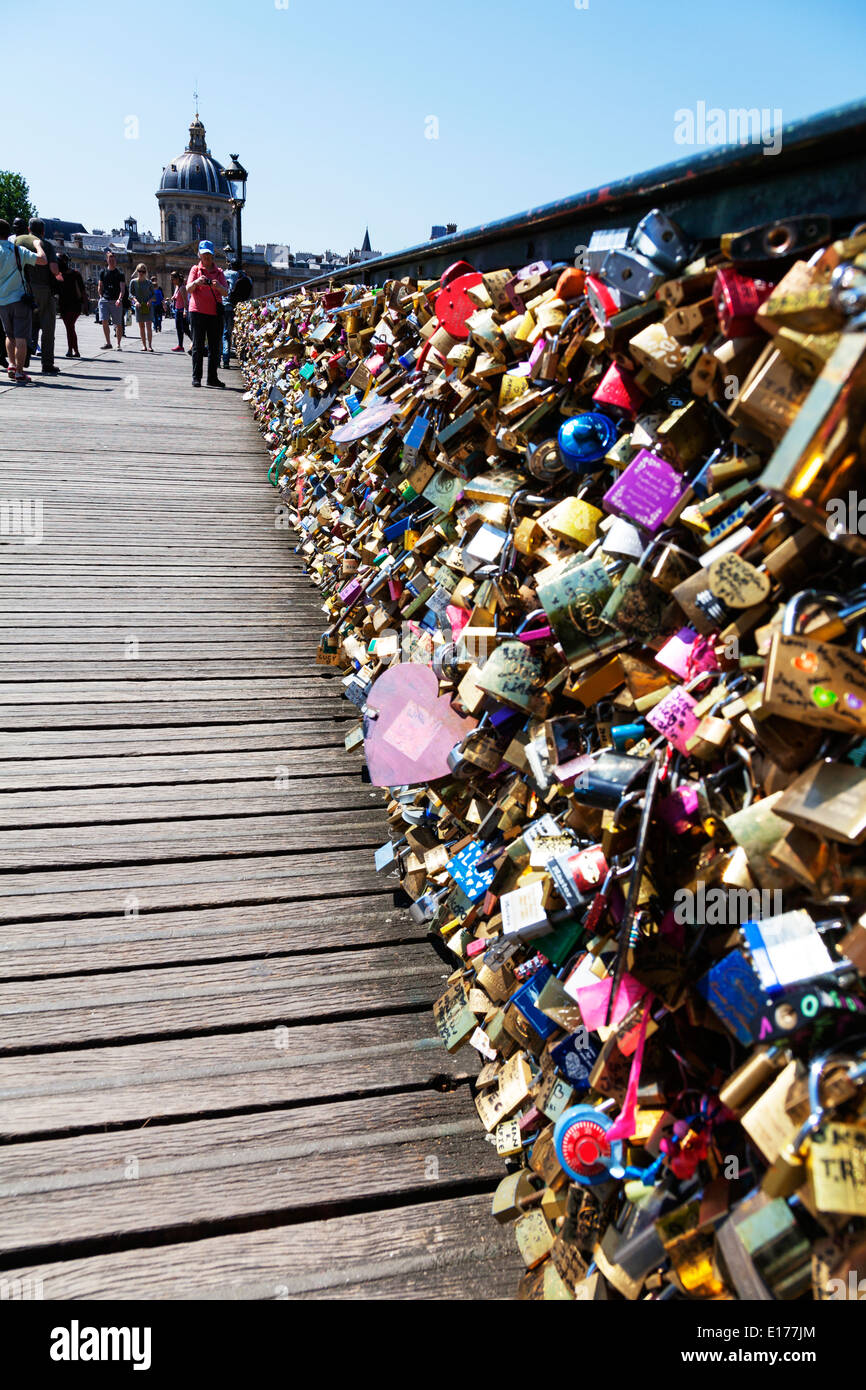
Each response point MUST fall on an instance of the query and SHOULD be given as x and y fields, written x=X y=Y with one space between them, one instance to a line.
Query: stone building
x=195 y=197
x=195 y=202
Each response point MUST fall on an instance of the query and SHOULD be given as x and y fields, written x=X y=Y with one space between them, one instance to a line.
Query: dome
x=196 y=170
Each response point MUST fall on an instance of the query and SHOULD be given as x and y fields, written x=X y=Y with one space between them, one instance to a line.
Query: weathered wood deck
x=218 y=1074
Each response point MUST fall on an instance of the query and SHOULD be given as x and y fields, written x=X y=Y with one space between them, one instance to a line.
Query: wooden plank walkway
x=218 y=1071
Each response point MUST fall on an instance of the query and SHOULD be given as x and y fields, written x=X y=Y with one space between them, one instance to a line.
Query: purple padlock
x=350 y=592
x=646 y=491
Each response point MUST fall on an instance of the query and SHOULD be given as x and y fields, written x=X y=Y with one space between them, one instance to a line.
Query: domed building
x=195 y=197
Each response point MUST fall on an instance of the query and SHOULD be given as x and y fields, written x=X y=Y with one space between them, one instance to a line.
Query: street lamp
x=237 y=177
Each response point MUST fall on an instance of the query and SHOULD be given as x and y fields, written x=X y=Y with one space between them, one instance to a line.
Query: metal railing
x=820 y=167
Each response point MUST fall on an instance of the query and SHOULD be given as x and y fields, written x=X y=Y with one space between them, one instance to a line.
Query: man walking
x=42 y=278
x=112 y=285
x=15 y=309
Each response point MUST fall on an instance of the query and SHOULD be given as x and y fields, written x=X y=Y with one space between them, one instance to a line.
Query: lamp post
x=237 y=177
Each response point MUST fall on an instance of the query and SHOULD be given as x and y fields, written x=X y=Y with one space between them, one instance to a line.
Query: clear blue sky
x=327 y=104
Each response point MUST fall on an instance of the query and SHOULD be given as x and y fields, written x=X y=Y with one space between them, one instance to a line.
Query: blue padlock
x=580 y=1140
x=584 y=439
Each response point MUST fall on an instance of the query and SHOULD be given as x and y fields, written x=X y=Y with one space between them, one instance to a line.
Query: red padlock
x=618 y=388
x=738 y=298
x=453 y=305
x=602 y=300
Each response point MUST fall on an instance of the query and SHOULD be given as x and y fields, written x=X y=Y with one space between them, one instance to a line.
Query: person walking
x=43 y=279
x=141 y=295
x=112 y=284
x=206 y=286
x=179 y=301
x=240 y=290
x=157 y=305
x=73 y=301
x=15 y=299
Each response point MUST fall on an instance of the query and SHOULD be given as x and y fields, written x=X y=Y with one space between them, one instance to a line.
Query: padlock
x=582 y=1147
x=638 y=605
x=790 y=1169
x=659 y=238
x=632 y=274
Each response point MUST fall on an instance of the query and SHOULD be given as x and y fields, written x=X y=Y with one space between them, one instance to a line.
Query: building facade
x=195 y=197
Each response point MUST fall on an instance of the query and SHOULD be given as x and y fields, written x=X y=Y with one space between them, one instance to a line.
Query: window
x=171 y=227
x=227 y=232
x=199 y=228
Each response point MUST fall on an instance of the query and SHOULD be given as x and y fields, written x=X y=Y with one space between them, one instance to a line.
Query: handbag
x=29 y=297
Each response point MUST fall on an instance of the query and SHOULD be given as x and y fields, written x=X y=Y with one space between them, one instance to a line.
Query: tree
x=15 y=196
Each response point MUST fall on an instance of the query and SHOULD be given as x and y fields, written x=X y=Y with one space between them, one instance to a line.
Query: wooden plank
x=80 y=642
x=173 y=712
x=290 y=833
x=149 y=1003
x=243 y=765
x=307 y=1159
x=201 y=691
x=101 y=1086
x=77 y=944
x=90 y=806
x=214 y=666
x=445 y=1250
x=190 y=883
x=302 y=732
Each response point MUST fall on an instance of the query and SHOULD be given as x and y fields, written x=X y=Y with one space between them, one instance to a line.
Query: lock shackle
x=697 y=680
x=666 y=537
x=553 y=340
x=630 y=799
x=797 y=603
x=524 y=497
x=530 y=618
x=817 y=1110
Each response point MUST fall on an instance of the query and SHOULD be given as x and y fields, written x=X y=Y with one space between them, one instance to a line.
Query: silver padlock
x=636 y=277
x=591 y=258
x=658 y=238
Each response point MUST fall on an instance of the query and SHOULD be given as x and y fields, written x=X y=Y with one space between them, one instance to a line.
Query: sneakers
x=105 y=347
x=177 y=349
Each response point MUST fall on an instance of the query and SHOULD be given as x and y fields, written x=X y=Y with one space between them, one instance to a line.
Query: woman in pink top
x=206 y=286
x=179 y=301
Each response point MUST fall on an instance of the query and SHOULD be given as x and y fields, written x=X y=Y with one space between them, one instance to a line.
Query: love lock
x=582 y=1147
x=453 y=305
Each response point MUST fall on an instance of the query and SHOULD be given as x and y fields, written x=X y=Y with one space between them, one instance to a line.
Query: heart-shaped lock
x=414 y=730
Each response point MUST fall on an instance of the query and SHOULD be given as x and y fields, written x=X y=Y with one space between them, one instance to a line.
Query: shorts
x=109 y=312
x=142 y=313
x=17 y=319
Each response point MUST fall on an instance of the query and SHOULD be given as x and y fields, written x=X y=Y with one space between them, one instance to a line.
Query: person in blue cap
x=206 y=286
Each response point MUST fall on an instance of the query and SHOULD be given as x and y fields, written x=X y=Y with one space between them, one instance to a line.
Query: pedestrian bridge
x=219 y=1075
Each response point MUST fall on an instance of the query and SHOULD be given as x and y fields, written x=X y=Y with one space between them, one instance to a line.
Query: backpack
x=242 y=291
